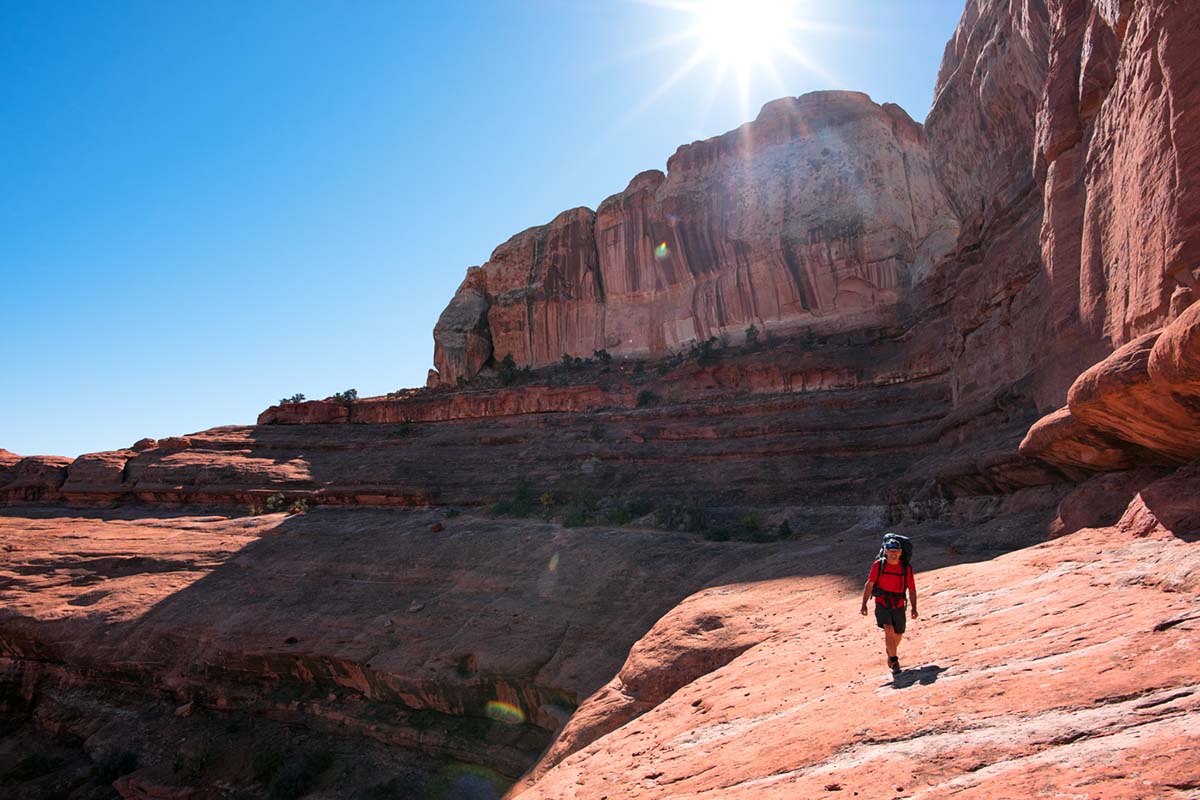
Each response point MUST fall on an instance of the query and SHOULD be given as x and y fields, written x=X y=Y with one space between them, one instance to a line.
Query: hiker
x=890 y=575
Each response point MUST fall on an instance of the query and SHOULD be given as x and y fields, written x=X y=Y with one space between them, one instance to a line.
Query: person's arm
x=912 y=595
x=869 y=587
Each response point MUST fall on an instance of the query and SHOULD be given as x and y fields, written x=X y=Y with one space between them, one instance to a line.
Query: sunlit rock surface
x=822 y=209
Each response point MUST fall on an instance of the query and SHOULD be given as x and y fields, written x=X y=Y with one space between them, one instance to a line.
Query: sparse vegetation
x=296 y=398
x=298 y=506
x=703 y=352
x=276 y=502
x=508 y=371
x=752 y=338
x=348 y=396
x=784 y=530
x=574 y=517
x=521 y=504
x=602 y=356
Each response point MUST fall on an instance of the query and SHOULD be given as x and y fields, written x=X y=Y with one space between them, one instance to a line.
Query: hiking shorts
x=890 y=616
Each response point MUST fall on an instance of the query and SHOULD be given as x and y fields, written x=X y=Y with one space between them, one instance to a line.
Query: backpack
x=906 y=548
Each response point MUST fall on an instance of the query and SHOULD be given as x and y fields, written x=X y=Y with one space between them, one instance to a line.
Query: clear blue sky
x=205 y=206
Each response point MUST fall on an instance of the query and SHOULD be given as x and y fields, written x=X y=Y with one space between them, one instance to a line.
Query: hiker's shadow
x=921 y=675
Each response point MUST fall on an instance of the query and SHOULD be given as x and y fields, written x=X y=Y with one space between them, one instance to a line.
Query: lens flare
x=504 y=712
x=662 y=251
x=554 y=563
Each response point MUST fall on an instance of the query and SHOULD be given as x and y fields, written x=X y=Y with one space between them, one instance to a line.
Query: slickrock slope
x=1017 y=684
x=823 y=209
x=469 y=644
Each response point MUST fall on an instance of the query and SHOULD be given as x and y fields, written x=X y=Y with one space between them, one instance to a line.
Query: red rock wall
x=1117 y=142
x=823 y=208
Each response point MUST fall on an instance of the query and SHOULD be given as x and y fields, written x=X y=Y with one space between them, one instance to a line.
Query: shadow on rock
x=921 y=675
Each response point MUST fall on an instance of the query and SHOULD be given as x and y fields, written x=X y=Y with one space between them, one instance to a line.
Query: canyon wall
x=823 y=209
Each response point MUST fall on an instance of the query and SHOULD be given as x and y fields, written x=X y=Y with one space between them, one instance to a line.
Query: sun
x=744 y=34
x=744 y=40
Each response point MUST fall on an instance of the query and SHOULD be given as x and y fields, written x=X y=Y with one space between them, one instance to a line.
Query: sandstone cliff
x=1030 y=252
x=824 y=208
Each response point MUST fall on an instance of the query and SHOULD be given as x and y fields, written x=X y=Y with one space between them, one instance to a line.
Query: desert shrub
x=575 y=516
x=602 y=356
x=750 y=523
x=619 y=515
x=254 y=509
x=784 y=530
x=752 y=337
x=547 y=502
x=521 y=504
x=296 y=398
x=703 y=351
x=31 y=766
x=508 y=370
x=567 y=361
x=276 y=502
x=298 y=507
x=115 y=764
x=646 y=398
x=348 y=396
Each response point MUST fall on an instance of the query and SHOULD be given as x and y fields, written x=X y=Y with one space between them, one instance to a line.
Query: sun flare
x=744 y=34
x=742 y=40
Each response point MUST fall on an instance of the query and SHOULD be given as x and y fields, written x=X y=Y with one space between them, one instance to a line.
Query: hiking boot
x=894 y=663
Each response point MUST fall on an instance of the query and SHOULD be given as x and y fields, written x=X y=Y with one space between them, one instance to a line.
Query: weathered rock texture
x=779 y=689
x=823 y=208
x=132 y=632
x=1138 y=406
x=744 y=673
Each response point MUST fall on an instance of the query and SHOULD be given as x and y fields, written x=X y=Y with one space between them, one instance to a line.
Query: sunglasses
x=891 y=546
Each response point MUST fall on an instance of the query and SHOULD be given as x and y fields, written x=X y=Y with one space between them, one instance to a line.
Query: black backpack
x=906 y=549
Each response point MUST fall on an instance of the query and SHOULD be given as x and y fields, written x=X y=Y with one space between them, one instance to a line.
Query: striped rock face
x=823 y=209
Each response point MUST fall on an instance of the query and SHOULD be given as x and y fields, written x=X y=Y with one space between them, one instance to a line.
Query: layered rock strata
x=778 y=689
x=822 y=209
x=471 y=643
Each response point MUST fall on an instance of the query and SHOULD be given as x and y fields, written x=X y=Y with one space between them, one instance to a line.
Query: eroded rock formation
x=932 y=292
x=822 y=209
x=775 y=689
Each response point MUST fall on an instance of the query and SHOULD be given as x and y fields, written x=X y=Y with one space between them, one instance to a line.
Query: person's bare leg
x=890 y=640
